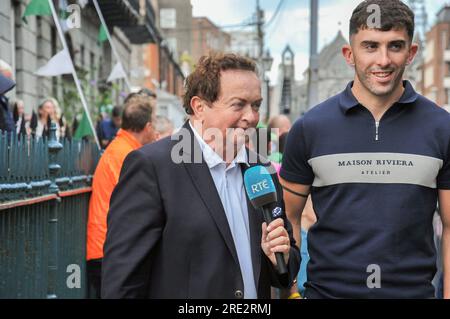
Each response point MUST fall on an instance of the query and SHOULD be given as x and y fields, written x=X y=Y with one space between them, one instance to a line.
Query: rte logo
x=260 y=186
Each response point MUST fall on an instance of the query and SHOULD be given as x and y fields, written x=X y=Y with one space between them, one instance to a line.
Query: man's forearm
x=296 y=229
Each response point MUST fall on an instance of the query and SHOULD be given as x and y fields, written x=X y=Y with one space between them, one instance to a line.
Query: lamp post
x=313 y=77
x=267 y=61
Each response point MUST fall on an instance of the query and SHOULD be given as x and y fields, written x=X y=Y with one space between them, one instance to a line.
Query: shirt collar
x=348 y=100
x=129 y=138
x=213 y=159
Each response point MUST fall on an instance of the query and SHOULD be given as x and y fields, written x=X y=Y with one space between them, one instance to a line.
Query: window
x=82 y=65
x=92 y=66
x=429 y=77
x=212 y=41
x=168 y=18
x=172 y=45
x=92 y=77
x=429 y=51
x=54 y=48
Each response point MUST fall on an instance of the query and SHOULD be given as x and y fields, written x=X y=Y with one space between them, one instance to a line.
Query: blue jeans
x=302 y=276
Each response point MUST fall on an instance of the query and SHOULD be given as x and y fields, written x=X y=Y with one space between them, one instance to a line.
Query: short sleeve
x=295 y=167
x=443 y=179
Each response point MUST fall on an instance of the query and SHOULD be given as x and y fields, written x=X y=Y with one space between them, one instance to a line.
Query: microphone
x=261 y=192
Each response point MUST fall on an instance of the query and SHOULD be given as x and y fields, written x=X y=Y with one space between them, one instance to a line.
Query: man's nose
x=250 y=115
x=384 y=60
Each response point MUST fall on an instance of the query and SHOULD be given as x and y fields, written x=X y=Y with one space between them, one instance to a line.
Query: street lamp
x=267 y=61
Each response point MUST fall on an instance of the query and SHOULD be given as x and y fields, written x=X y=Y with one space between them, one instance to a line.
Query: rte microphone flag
x=261 y=192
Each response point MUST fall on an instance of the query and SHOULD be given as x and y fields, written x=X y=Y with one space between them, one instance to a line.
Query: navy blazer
x=168 y=235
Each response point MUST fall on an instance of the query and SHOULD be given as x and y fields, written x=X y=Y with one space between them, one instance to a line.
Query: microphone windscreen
x=259 y=186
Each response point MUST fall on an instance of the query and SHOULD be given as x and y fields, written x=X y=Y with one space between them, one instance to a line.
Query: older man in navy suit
x=180 y=224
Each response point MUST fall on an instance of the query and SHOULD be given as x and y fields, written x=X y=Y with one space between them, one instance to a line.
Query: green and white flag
x=102 y=35
x=117 y=73
x=59 y=64
x=83 y=129
x=37 y=8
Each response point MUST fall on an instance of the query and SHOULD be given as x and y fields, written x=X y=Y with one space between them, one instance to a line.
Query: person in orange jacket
x=136 y=130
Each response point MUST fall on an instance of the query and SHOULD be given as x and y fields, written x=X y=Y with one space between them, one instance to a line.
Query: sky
x=291 y=26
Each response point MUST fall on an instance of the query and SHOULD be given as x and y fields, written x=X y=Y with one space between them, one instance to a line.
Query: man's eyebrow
x=240 y=99
x=402 y=42
x=236 y=98
x=368 y=42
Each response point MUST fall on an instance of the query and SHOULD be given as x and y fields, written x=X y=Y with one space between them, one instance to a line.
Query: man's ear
x=347 y=52
x=412 y=53
x=198 y=106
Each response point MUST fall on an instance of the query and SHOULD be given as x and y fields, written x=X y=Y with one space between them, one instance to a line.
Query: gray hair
x=163 y=125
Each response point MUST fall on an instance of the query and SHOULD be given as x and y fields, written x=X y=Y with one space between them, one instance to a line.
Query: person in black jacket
x=180 y=224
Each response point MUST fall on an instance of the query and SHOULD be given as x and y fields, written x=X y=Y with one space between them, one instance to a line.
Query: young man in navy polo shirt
x=375 y=158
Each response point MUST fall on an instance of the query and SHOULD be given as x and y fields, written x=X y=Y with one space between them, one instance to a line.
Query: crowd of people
x=15 y=120
x=355 y=183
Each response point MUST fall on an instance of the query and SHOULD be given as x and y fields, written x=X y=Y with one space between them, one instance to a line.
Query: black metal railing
x=44 y=198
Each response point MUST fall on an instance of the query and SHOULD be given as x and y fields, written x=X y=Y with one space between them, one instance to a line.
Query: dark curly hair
x=204 y=82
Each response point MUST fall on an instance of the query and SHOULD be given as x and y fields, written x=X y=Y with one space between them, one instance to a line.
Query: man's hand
x=275 y=238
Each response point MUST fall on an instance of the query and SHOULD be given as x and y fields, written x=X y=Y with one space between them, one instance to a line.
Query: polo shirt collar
x=347 y=100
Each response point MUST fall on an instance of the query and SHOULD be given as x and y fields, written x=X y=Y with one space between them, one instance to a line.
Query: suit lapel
x=203 y=182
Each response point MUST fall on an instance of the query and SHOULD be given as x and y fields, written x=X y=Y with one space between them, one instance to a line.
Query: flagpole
x=102 y=21
x=74 y=73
